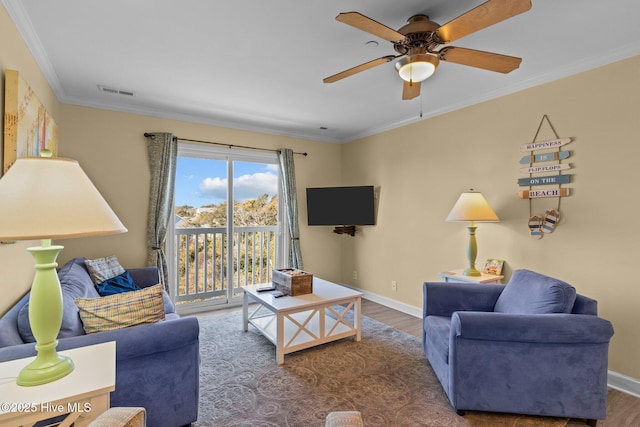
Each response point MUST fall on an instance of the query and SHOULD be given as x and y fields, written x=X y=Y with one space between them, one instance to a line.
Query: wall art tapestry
x=28 y=127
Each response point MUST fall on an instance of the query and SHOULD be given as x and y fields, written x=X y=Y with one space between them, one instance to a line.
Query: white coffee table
x=303 y=321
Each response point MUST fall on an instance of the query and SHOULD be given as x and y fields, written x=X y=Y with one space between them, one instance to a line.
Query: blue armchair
x=532 y=347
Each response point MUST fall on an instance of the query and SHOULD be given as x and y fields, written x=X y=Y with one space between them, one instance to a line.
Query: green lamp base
x=471 y=271
x=45 y=318
x=44 y=370
x=472 y=251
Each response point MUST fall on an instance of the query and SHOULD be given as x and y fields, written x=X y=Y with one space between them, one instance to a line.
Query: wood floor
x=623 y=410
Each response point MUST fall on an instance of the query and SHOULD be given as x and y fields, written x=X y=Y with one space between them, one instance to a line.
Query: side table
x=457 y=276
x=82 y=395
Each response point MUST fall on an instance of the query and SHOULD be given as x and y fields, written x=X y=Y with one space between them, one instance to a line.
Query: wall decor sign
x=545 y=180
x=545 y=145
x=537 y=194
x=28 y=127
x=546 y=168
x=545 y=157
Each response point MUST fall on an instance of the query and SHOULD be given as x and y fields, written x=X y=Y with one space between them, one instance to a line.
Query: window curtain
x=288 y=177
x=162 y=150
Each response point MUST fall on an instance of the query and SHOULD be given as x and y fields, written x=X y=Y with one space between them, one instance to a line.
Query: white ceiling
x=259 y=65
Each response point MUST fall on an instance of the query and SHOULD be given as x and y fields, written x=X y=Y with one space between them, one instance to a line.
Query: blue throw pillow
x=529 y=292
x=117 y=285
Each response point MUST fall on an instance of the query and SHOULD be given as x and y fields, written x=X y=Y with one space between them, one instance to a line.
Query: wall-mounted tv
x=340 y=206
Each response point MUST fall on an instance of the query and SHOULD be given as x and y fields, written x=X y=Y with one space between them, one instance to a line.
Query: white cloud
x=252 y=186
x=215 y=188
x=245 y=187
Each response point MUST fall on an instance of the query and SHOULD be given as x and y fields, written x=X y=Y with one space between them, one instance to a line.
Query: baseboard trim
x=623 y=383
x=388 y=302
x=615 y=380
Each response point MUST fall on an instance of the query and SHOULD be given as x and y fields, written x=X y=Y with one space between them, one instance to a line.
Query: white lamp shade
x=417 y=68
x=416 y=71
x=44 y=198
x=472 y=207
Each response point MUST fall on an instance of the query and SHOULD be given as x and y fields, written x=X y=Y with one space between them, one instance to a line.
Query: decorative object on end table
x=293 y=282
x=45 y=198
x=493 y=266
x=472 y=207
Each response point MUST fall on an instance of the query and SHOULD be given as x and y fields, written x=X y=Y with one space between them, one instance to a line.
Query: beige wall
x=16 y=264
x=421 y=169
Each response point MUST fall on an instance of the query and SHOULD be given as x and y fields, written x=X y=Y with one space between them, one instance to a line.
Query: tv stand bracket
x=350 y=230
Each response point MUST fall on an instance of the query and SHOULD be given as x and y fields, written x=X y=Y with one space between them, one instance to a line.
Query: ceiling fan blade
x=364 y=23
x=479 y=59
x=488 y=13
x=410 y=90
x=351 y=71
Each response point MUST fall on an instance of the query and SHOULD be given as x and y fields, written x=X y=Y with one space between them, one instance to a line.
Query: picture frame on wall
x=493 y=266
x=28 y=127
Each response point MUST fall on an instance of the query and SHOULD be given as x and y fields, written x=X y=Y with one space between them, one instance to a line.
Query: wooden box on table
x=293 y=282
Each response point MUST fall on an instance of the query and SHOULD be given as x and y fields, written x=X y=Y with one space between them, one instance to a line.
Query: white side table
x=83 y=394
x=457 y=276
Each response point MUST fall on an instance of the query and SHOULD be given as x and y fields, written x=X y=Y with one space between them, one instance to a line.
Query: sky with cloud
x=202 y=182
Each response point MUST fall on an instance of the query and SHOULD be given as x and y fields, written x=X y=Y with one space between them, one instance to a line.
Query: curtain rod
x=225 y=145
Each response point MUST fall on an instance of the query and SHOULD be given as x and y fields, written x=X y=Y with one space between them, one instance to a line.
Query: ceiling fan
x=417 y=43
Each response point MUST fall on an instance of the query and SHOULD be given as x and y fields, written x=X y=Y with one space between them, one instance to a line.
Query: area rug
x=385 y=376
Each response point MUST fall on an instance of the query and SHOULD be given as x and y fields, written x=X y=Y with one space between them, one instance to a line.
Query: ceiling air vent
x=115 y=91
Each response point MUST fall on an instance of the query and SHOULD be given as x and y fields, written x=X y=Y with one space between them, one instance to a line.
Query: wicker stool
x=121 y=417
x=344 y=419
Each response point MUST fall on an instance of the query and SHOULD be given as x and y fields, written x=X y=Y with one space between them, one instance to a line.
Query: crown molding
x=20 y=18
x=598 y=59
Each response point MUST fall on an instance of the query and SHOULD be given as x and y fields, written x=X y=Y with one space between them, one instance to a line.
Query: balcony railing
x=203 y=263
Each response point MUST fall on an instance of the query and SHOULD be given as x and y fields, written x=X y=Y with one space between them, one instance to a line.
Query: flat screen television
x=340 y=206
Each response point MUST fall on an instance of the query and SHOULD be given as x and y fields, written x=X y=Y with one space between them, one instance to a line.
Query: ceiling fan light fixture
x=418 y=67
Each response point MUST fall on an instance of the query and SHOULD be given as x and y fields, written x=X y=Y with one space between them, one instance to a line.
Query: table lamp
x=472 y=207
x=45 y=198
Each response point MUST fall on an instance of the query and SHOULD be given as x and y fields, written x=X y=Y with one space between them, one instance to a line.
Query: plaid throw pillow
x=101 y=269
x=121 y=310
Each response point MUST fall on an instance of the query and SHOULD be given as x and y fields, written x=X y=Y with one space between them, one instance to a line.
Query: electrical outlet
x=355 y=275
x=394 y=285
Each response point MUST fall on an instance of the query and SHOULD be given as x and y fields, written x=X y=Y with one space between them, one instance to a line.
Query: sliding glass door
x=227 y=230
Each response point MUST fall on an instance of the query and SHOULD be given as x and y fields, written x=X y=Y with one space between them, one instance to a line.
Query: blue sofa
x=157 y=365
x=532 y=347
